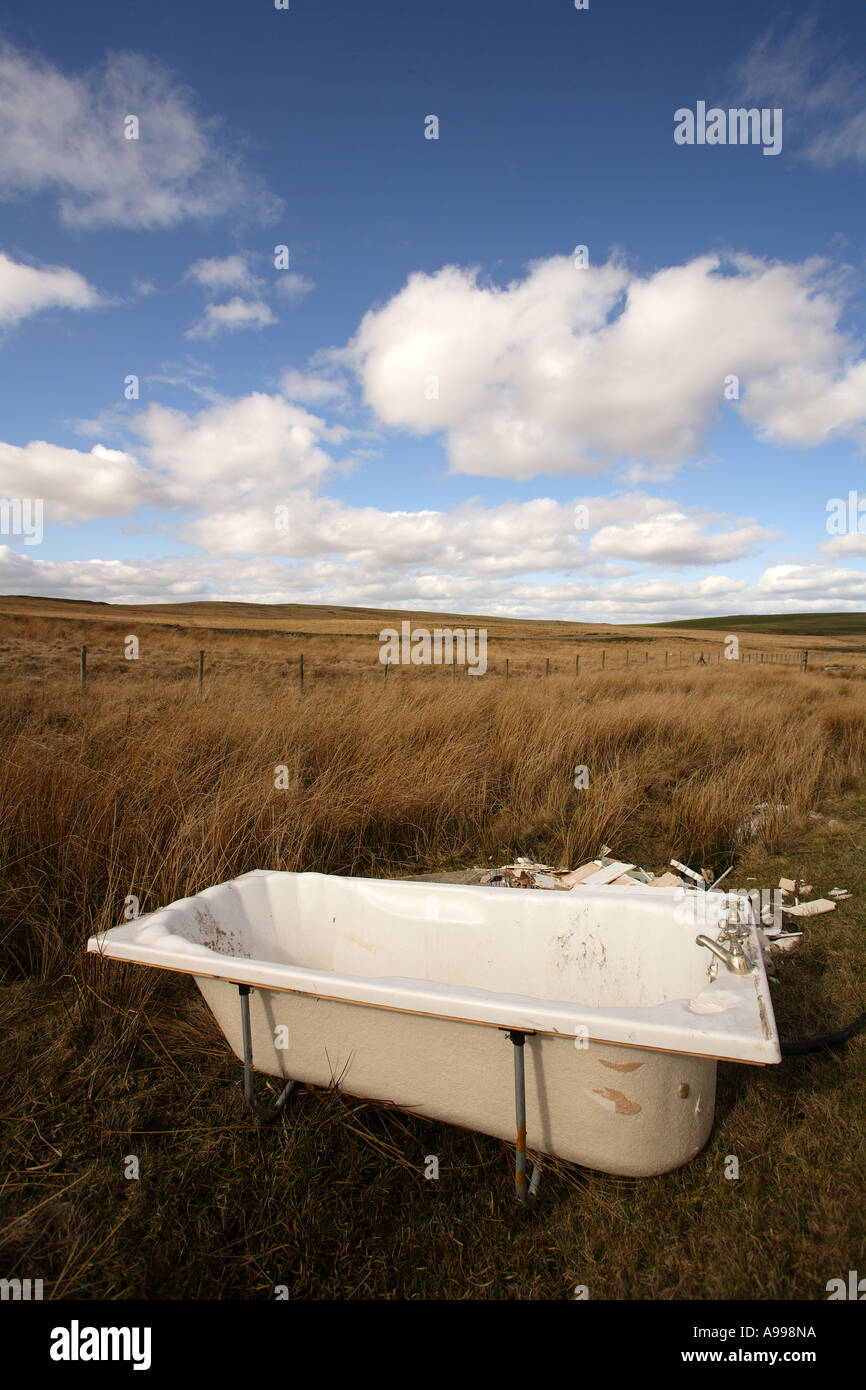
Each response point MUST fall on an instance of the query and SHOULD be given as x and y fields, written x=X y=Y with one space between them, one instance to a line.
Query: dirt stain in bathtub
x=216 y=937
x=620 y=1066
x=586 y=951
x=762 y=1011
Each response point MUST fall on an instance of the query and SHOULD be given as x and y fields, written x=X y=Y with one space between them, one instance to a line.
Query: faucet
x=734 y=959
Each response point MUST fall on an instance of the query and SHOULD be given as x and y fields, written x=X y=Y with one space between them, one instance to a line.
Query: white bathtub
x=402 y=991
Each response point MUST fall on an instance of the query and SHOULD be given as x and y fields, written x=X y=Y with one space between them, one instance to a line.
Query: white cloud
x=294 y=286
x=191 y=374
x=575 y=370
x=262 y=580
x=229 y=317
x=851 y=544
x=26 y=290
x=227 y=468
x=674 y=539
x=77 y=486
x=470 y=540
x=814 y=584
x=313 y=389
x=64 y=134
x=818 y=87
x=232 y=449
x=227 y=273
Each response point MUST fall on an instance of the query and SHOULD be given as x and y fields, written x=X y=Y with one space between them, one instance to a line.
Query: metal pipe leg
x=527 y=1191
x=269 y=1113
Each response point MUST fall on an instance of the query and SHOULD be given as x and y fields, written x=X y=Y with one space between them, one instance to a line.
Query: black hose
x=793 y=1049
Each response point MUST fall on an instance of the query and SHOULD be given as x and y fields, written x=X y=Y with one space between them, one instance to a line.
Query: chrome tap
x=734 y=959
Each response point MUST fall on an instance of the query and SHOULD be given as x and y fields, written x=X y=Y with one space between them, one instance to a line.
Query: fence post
x=200 y=672
x=453 y=669
x=805 y=662
x=603 y=655
x=577 y=664
x=506 y=668
x=666 y=658
x=83 y=667
x=646 y=657
x=547 y=667
x=626 y=656
x=301 y=671
x=385 y=677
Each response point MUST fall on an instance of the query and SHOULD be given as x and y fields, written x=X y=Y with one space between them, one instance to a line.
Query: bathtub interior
x=594 y=953
x=604 y=947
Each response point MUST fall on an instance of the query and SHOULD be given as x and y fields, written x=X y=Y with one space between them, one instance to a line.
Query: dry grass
x=136 y=787
x=159 y=796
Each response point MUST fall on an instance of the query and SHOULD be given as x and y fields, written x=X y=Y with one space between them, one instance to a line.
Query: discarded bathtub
x=616 y=1004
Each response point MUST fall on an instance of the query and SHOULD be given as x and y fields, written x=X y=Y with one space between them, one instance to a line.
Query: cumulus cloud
x=230 y=469
x=538 y=536
x=26 y=290
x=853 y=543
x=234 y=448
x=510 y=539
x=294 y=286
x=675 y=539
x=78 y=486
x=229 y=317
x=223 y=273
x=814 y=584
x=64 y=134
x=313 y=388
x=576 y=370
x=218 y=274
x=260 y=580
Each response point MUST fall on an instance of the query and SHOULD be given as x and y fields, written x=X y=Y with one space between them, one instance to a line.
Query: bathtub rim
x=94 y=948
x=670 y=1027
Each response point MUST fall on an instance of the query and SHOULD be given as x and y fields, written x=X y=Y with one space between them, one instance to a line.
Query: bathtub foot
x=527 y=1191
x=269 y=1113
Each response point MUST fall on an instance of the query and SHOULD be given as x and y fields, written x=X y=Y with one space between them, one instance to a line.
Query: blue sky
x=409 y=413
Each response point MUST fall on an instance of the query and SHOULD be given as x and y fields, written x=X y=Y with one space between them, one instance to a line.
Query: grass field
x=135 y=786
x=788 y=624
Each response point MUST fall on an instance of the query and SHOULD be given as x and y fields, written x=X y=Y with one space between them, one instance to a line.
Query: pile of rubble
x=597 y=873
x=779 y=919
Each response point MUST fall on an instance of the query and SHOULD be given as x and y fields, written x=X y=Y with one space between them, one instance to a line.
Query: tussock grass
x=139 y=788
x=104 y=796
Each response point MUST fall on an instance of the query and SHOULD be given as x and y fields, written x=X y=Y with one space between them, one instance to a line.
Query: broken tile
x=607 y=873
x=689 y=873
x=786 y=940
x=581 y=874
x=813 y=909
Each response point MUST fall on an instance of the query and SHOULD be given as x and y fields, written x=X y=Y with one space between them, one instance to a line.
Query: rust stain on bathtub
x=620 y=1066
x=359 y=941
x=621 y=1103
x=765 y=1022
